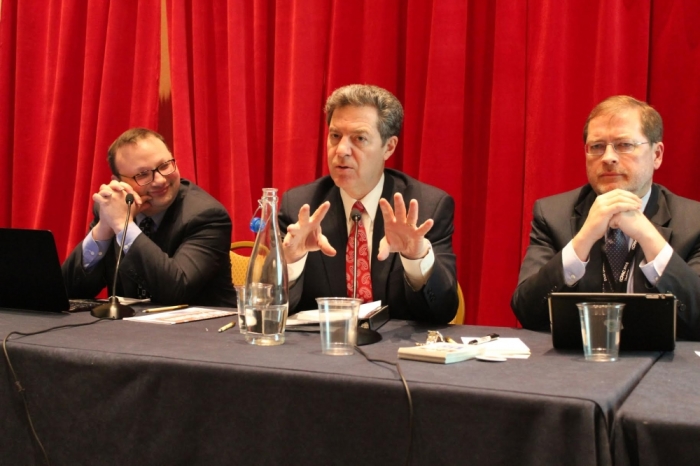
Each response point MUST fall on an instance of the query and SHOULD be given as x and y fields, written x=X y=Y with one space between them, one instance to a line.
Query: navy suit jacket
x=324 y=276
x=185 y=262
x=557 y=219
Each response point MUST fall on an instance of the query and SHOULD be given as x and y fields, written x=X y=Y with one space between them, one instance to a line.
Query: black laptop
x=30 y=273
x=648 y=320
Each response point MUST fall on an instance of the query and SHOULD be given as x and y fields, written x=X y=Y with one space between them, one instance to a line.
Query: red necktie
x=364 y=278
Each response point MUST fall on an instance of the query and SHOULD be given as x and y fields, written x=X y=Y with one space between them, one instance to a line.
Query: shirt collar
x=370 y=201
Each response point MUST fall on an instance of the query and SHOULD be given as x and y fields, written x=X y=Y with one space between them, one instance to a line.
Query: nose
x=157 y=177
x=343 y=149
x=610 y=156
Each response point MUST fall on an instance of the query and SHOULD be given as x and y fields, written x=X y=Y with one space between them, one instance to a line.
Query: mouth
x=158 y=192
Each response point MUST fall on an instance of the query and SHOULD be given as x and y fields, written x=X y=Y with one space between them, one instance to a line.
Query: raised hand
x=111 y=204
x=401 y=234
x=306 y=235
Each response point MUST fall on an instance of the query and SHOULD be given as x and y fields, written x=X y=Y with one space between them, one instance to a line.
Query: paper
x=506 y=347
x=440 y=353
x=311 y=317
x=181 y=316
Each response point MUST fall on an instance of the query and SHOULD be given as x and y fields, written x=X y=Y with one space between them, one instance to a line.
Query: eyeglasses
x=147 y=176
x=624 y=146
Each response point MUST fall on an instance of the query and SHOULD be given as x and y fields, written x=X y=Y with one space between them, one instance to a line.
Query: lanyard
x=619 y=286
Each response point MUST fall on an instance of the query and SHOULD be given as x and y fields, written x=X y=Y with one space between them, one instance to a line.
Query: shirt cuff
x=93 y=251
x=132 y=232
x=654 y=269
x=574 y=268
x=417 y=271
x=295 y=270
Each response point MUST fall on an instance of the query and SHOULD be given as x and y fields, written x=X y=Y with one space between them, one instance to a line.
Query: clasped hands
x=618 y=209
x=401 y=234
x=111 y=204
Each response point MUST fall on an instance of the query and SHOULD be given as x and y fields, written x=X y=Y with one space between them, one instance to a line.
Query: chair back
x=239 y=261
x=459 y=318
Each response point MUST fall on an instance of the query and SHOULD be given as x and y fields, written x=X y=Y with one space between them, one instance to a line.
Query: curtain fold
x=495 y=93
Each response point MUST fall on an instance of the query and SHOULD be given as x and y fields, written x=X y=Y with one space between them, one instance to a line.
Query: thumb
x=384 y=249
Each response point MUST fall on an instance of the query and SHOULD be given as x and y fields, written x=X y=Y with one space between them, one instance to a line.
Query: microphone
x=365 y=336
x=114 y=309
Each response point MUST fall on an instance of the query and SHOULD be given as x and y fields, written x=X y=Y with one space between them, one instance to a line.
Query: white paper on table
x=698 y=353
x=506 y=347
x=181 y=316
x=311 y=317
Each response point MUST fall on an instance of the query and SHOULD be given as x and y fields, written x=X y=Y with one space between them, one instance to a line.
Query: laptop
x=648 y=320
x=30 y=273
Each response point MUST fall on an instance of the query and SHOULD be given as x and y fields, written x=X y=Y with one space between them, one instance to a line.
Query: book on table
x=440 y=353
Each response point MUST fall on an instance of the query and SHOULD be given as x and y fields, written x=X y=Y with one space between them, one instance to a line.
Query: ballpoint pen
x=167 y=308
x=486 y=339
x=227 y=326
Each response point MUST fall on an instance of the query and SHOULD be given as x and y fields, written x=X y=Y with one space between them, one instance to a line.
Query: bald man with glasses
x=176 y=249
x=619 y=233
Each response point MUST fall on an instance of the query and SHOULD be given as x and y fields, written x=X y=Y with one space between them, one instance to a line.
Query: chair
x=459 y=318
x=239 y=263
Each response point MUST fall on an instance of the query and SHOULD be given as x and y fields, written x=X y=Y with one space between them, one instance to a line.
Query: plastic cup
x=600 y=328
x=338 y=321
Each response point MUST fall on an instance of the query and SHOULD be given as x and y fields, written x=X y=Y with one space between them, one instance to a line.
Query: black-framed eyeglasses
x=147 y=176
x=624 y=146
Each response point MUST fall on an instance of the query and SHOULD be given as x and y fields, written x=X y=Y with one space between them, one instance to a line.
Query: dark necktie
x=147 y=226
x=616 y=250
x=364 y=278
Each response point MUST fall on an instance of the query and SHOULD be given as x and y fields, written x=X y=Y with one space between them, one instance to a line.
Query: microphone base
x=112 y=310
x=366 y=336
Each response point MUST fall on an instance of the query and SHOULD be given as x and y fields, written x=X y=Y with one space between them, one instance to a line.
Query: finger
x=304 y=214
x=387 y=212
x=412 y=217
x=325 y=246
x=384 y=249
x=425 y=227
x=399 y=207
x=320 y=213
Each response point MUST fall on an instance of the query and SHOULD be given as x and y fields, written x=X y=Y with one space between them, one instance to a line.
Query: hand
x=600 y=218
x=305 y=235
x=400 y=231
x=112 y=208
x=638 y=227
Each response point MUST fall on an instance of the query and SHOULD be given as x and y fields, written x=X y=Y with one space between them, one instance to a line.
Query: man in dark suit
x=573 y=234
x=177 y=245
x=409 y=261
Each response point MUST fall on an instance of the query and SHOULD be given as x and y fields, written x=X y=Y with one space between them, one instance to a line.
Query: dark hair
x=130 y=136
x=389 y=109
x=652 y=125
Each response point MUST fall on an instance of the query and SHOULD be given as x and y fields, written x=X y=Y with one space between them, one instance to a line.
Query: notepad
x=511 y=348
x=181 y=316
x=440 y=353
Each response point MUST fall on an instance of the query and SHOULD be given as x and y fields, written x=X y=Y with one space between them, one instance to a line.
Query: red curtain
x=495 y=92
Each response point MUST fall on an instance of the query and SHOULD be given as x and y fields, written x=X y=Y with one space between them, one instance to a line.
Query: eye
x=596 y=147
x=143 y=176
x=624 y=146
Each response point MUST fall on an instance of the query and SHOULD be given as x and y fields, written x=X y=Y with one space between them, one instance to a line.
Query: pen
x=486 y=339
x=227 y=326
x=451 y=340
x=167 y=308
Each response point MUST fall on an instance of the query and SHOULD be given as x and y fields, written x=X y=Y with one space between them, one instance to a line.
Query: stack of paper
x=503 y=347
x=441 y=353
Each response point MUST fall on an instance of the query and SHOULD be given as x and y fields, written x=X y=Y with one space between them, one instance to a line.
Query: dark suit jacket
x=557 y=219
x=186 y=262
x=324 y=276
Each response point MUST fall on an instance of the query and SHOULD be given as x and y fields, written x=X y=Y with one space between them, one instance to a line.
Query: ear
x=658 y=155
x=390 y=145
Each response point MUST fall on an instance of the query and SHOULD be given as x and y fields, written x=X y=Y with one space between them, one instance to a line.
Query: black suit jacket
x=557 y=219
x=324 y=276
x=185 y=262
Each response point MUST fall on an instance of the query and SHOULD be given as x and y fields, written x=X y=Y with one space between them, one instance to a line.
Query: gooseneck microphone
x=114 y=309
x=365 y=336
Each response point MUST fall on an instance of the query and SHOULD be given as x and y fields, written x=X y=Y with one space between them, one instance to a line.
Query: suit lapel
x=334 y=226
x=381 y=269
x=590 y=281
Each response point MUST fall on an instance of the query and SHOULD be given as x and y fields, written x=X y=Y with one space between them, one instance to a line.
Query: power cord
x=408 y=396
x=18 y=384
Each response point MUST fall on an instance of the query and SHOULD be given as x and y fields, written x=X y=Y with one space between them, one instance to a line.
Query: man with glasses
x=620 y=232
x=178 y=237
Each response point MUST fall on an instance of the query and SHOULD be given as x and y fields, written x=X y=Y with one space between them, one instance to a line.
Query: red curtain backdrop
x=495 y=92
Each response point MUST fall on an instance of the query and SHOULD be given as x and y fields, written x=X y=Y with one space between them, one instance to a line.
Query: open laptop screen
x=648 y=320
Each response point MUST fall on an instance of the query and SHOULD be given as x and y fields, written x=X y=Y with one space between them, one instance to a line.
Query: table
x=659 y=423
x=120 y=392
